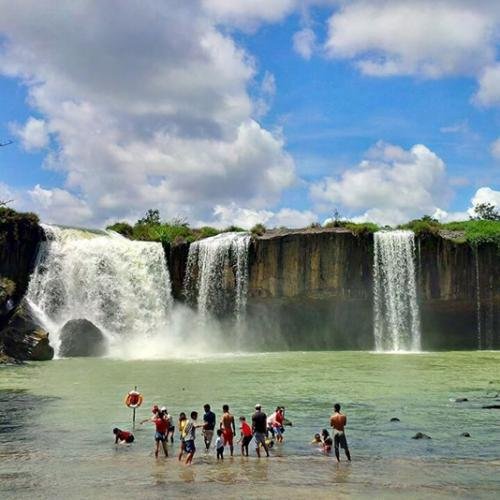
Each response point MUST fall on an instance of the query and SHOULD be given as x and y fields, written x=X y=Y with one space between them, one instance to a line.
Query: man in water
x=259 y=427
x=208 y=426
x=190 y=437
x=338 y=421
x=228 y=428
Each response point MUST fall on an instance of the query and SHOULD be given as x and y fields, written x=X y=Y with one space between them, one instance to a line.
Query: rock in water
x=465 y=435
x=80 y=337
x=461 y=400
x=491 y=407
x=24 y=339
x=395 y=419
x=421 y=435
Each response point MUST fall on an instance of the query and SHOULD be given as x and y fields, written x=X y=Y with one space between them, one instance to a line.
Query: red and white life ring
x=134 y=399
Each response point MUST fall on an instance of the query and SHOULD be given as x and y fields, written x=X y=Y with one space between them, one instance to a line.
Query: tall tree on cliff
x=486 y=211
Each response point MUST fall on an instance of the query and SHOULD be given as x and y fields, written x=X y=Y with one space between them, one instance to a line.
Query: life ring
x=134 y=399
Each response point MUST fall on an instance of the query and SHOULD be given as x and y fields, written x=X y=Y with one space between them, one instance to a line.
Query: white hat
x=163 y=408
x=258 y=406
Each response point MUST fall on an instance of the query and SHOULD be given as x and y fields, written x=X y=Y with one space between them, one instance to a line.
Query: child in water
x=327 y=441
x=219 y=445
x=123 y=437
x=317 y=439
x=246 y=436
x=181 y=426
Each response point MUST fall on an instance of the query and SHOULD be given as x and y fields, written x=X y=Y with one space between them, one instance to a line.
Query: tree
x=152 y=217
x=486 y=211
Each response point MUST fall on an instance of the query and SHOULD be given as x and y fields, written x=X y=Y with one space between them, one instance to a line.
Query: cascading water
x=397 y=319
x=122 y=286
x=217 y=274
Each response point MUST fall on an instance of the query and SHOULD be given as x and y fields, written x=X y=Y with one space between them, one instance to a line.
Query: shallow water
x=56 y=420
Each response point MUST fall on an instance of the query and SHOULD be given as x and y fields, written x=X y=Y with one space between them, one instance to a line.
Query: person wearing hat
x=259 y=427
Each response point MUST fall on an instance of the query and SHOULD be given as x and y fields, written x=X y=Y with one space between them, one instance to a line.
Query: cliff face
x=20 y=337
x=311 y=289
x=459 y=291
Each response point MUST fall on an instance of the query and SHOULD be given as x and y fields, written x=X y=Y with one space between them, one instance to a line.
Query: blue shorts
x=189 y=446
x=159 y=436
x=260 y=438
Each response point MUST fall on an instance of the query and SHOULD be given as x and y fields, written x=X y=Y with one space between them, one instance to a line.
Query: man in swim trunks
x=208 y=426
x=259 y=427
x=338 y=421
x=228 y=428
x=190 y=436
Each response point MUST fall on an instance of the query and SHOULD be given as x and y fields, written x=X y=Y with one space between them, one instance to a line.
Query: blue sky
x=214 y=111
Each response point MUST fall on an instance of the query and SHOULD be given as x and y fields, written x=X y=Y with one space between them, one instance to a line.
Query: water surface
x=56 y=420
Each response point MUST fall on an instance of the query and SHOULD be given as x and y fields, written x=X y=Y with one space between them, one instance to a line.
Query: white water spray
x=397 y=319
x=122 y=286
x=215 y=267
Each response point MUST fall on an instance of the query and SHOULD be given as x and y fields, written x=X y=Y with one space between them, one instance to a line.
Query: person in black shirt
x=259 y=427
x=208 y=426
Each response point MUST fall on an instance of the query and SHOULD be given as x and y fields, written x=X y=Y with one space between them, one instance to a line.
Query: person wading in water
x=228 y=428
x=338 y=421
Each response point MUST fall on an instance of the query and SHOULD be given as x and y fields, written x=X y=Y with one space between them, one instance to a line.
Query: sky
x=223 y=112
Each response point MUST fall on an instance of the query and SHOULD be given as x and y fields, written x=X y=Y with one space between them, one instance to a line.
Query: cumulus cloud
x=424 y=37
x=486 y=195
x=225 y=216
x=390 y=186
x=304 y=42
x=489 y=86
x=34 y=134
x=148 y=106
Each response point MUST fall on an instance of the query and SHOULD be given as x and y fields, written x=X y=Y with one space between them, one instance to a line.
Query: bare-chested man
x=338 y=421
x=228 y=428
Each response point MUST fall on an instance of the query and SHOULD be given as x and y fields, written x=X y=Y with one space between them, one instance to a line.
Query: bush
x=423 y=227
x=362 y=228
x=233 y=229
x=123 y=228
x=206 y=232
x=258 y=229
x=477 y=232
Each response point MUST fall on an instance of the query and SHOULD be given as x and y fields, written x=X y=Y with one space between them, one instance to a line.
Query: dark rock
x=461 y=400
x=395 y=419
x=491 y=407
x=24 y=339
x=80 y=337
x=465 y=435
x=421 y=435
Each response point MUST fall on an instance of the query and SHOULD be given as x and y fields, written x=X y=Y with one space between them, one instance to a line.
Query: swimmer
x=317 y=439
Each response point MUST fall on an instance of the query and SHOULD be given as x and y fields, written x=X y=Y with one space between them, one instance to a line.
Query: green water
x=56 y=420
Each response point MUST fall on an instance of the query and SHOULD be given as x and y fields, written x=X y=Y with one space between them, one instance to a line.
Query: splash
x=122 y=286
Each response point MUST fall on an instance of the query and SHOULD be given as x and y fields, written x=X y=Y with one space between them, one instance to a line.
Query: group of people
x=263 y=430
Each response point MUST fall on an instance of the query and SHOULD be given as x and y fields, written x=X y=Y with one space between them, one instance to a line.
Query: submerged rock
x=395 y=419
x=461 y=400
x=421 y=435
x=465 y=435
x=24 y=339
x=80 y=338
x=491 y=407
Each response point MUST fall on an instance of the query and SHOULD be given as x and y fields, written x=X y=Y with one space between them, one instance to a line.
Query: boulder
x=80 y=337
x=395 y=419
x=491 y=407
x=421 y=435
x=24 y=339
x=465 y=435
x=461 y=400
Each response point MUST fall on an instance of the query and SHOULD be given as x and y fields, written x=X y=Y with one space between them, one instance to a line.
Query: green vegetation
x=258 y=229
x=11 y=216
x=477 y=232
x=357 y=228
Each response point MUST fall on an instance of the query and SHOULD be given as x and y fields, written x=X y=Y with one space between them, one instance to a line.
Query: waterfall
x=396 y=314
x=122 y=286
x=217 y=274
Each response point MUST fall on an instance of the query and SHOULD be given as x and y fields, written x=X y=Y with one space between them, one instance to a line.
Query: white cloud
x=148 y=106
x=410 y=37
x=304 y=42
x=489 y=86
x=34 y=134
x=227 y=215
x=495 y=149
x=486 y=195
x=389 y=187
x=59 y=206
x=444 y=216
